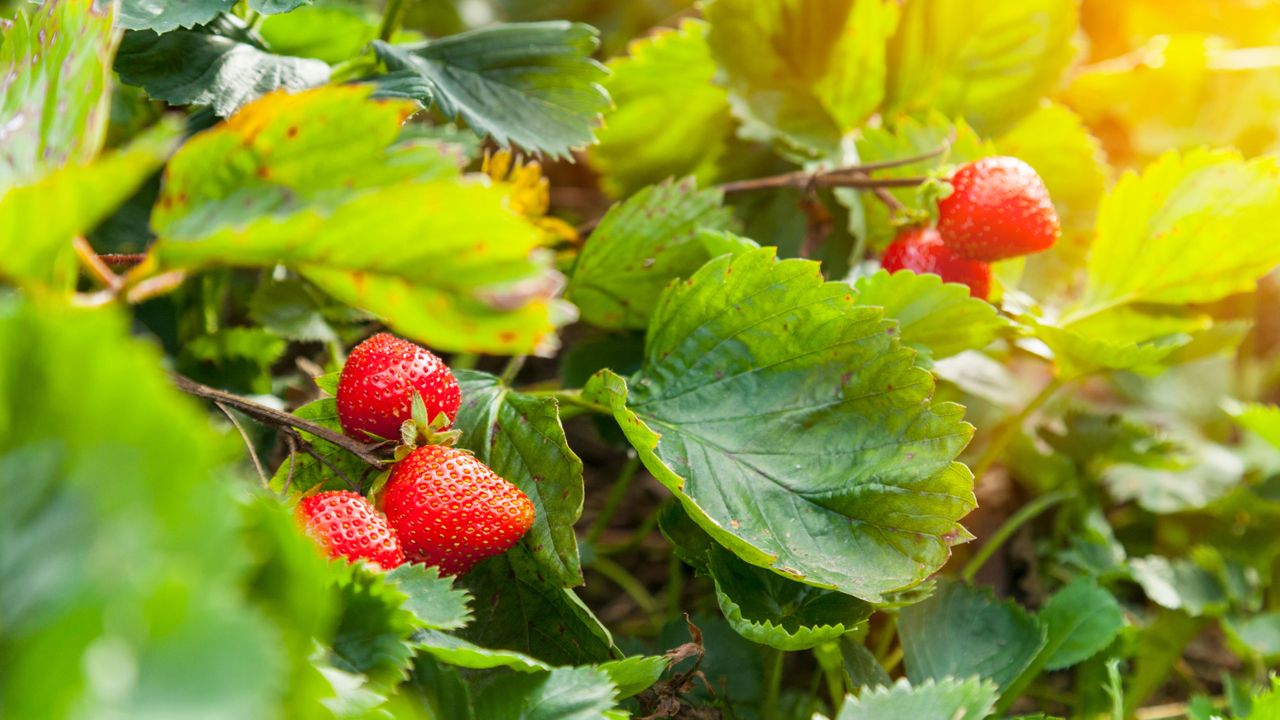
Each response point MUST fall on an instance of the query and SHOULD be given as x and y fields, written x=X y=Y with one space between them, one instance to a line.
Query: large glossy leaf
x=640 y=245
x=218 y=65
x=1081 y=619
x=520 y=437
x=55 y=61
x=293 y=178
x=669 y=119
x=935 y=318
x=988 y=61
x=970 y=699
x=38 y=220
x=163 y=15
x=794 y=428
x=529 y=84
x=1190 y=229
x=560 y=694
x=113 y=505
x=809 y=71
x=963 y=631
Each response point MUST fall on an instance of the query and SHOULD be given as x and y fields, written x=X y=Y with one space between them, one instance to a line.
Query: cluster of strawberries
x=999 y=209
x=441 y=506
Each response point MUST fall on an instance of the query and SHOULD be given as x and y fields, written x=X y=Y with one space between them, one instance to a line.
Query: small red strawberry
x=999 y=209
x=348 y=526
x=375 y=390
x=921 y=250
x=450 y=510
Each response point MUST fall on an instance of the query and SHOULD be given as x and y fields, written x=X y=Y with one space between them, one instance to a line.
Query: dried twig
x=248 y=443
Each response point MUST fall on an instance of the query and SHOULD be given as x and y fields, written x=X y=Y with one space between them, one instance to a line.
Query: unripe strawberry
x=375 y=390
x=452 y=511
x=347 y=525
x=999 y=209
x=921 y=250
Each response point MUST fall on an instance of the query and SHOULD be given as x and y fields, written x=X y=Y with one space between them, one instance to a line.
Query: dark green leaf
x=455 y=651
x=641 y=245
x=520 y=437
x=374 y=627
x=529 y=84
x=861 y=668
x=273 y=7
x=794 y=429
x=963 y=631
x=1081 y=619
x=560 y=694
x=199 y=67
x=163 y=15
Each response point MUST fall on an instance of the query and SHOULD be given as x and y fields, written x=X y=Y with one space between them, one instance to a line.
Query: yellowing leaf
x=1191 y=229
x=669 y=120
x=810 y=70
x=314 y=181
x=988 y=61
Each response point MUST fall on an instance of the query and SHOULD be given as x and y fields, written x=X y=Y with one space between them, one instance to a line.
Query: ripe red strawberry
x=1000 y=209
x=375 y=390
x=450 y=510
x=922 y=250
x=349 y=526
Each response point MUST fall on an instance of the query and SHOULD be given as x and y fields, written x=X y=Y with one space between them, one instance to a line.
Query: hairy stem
x=271 y=416
x=1025 y=514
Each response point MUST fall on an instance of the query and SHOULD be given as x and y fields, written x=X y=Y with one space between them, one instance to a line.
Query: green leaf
x=434 y=601
x=374 y=627
x=639 y=246
x=509 y=591
x=962 y=631
x=220 y=67
x=38 y=221
x=669 y=119
x=274 y=7
x=1207 y=473
x=1190 y=229
x=1260 y=633
x=113 y=505
x=762 y=606
x=794 y=429
x=1077 y=354
x=634 y=675
x=56 y=63
x=1262 y=420
x=861 y=669
x=938 y=320
x=809 y=71
x=163 y=16
x=988 y=61
x=452 y=650
x=529 y=84
x=1179 y=584
x=945 y=698
x=768 y=609
x=462 y=272
x=907 y=138
x=292 y=309
x=520 y=437
x=560 y=694
x=1081 y=619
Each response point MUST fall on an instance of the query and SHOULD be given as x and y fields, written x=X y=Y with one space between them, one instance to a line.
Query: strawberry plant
x=760 y=359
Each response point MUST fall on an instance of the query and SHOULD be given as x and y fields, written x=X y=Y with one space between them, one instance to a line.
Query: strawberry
x=921 y=250
x=348 y=526
x=450 y=510
x=375 y=390
x=999 y=209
